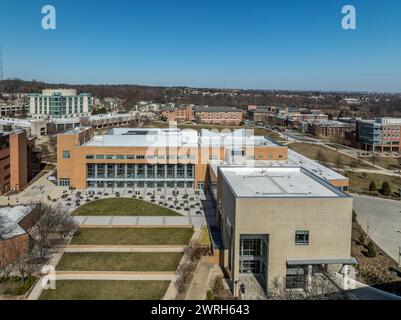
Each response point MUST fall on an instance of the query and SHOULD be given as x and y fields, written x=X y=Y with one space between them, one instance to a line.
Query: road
x=381 y=219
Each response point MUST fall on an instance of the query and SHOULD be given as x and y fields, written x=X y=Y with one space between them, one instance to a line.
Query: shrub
x=354 y=215
x=386 y=189
x=361 y=239
x=372 y=186
x=371 y=250
x=210 y=295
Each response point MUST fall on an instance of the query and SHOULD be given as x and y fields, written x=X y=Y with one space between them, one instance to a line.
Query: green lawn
x=122 y=207
x=132 y=236
x=359 y=182
x=119 y=261
x=386 y=162
x=106 y=290
x=311 y=151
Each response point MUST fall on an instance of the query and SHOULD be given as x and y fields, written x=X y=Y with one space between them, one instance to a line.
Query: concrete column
x=345 y=277
x=309 y=276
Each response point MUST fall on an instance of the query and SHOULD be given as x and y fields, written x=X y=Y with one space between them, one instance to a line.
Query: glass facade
x=58 y=105
x=253 y=254
x=139 y=175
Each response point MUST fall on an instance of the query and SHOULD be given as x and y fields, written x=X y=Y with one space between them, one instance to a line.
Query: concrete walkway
x=111 y=275
x=118 y=248
x=200 y=284
x=381 y=220
x=146 y=221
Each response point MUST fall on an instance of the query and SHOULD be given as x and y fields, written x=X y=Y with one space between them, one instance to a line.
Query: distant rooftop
x=271 y=182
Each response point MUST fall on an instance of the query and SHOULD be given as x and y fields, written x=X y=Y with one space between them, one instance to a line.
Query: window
x=120 y=157
x=160 y=171
x=295 y=277
x=130 y=170
x=302 y=238
x=90 y=156
x=64 y=182
x=109 y=156
x=170 y=171
x=100 y=170
x=140 y=171
x=99 y=156
x=91 y=171
x=66 y=155
x=140 y=157
x=180 y=171
x=237 y=152
x=120 y=171
x=110 y=171
x=131 y=157
x=150 y=171
x=190 y=171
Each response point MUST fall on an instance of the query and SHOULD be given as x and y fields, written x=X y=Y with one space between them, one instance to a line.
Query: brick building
x=15 y=225
x=204 y=114
x=19 y=161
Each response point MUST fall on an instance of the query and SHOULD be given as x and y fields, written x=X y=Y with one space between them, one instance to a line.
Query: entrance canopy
x=348 y=261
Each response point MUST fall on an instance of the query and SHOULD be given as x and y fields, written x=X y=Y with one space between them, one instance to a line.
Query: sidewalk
x=145 y=221
x=115 y=275
x=119 y=248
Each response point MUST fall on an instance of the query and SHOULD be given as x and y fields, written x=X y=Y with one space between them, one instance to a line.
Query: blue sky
x=277 y=44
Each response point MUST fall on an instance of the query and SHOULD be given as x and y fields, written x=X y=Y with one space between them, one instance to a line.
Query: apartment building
x=153 y=158
x=19 y=162
x=219 y=115
x=203 y=114
x=329 y=128
x=380 y=134
x=281 y=224
x=180 y=114
x=8 y=110
x=258 y=115
x=60 y=102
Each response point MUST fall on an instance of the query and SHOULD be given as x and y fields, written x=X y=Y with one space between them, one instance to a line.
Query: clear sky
x=266 y=44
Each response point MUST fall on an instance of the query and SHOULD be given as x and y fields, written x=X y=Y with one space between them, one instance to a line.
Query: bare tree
x=183 y=275
x=339 y=162
x=354 y=165
x=373 y=158
x=320 y=287
x=193 y=250
x=54 y=227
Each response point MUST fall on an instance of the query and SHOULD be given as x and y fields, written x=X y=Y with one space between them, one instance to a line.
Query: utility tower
x=1 y=69
x=1 y=63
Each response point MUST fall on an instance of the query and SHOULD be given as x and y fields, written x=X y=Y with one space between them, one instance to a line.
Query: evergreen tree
x=386 y=189
x=371 y=250
x=372 y=186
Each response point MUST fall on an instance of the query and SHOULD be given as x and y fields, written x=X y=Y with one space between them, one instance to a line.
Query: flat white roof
x=149 y=137
x=239 y=137
x=9 y=219
x=295 y=158
x=270 y=182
